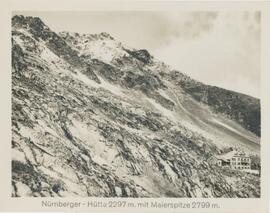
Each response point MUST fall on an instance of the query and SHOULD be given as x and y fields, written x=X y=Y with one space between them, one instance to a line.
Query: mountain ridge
x=94 y=124
x=251 y=122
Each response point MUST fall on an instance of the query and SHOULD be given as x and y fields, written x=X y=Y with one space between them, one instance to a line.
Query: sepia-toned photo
x=136 y=104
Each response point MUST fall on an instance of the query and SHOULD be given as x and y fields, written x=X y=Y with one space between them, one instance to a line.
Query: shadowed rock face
x=18 y=62
x=142 y=55
x=116 y=122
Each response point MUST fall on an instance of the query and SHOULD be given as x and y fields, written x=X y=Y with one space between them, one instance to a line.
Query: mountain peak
x=28 y=22
x=142 y=55
x=106 y=35
x=86 y=36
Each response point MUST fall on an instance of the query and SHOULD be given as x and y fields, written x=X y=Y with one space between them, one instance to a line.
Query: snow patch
x=164 y=94
x=103 y=84
x=26 y=132
x=168 y=113
x=18 y=156
x=48 y=56
x=83 y=78
x=108 y=86
x=104 y=50
x=23 y=190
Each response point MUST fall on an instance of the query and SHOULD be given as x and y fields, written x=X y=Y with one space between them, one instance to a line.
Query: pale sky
x=217 y=48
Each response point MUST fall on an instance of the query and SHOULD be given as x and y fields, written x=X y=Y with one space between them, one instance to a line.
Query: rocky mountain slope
x=92 y=117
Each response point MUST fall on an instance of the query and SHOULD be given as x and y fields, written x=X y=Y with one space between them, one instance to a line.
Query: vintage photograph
x=139 y=104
